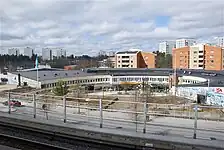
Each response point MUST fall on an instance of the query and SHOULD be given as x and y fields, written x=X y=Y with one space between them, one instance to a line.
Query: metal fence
x=98 y=111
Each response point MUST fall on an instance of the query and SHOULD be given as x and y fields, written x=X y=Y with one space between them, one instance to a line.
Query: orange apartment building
x=181 y=58
x=134 y=59
x=146 y=60
x=201 y=56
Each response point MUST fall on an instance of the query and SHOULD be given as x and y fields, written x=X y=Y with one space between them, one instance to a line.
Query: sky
x=88 y=26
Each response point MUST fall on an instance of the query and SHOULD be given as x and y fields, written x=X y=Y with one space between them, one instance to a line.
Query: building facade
x=196 y=60
x=167 y=46
x=28 y=51
x=222 y=58
x=200 y=56
x=14 y=51
x=180 y=58
x=220 y=41
x=61 y=53
x=126 y=59
x=134 y=59
x=47 y=54
x=184 y=42
x=146 y=60
x=213 y=58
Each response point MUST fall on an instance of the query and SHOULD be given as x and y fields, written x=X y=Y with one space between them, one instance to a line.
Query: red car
x=13 y=103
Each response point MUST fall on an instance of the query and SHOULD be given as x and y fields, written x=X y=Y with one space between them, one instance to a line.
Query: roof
x=52 y=74
x=216 y=78
x=127 y=52
x=42 y=69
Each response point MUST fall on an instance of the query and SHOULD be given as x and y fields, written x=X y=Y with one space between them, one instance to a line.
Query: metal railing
x=139 y=113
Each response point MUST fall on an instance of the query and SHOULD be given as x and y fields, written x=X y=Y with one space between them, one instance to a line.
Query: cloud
x=88 y=26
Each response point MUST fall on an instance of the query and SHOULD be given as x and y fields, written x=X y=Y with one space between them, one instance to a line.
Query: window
x=125 y=56
x=200 y=51
x=131 y=61
x=201 y=61
x=131 y=65
x=125 y=61
x=212 y=61
x=119 y=61
x=195 y=52
x=195 y=61
x=201 y=56
x=200 y=65
x=125 y=65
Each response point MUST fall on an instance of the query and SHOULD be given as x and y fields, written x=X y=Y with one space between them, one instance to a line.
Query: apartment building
x=47 y=54
x=167 y=46
x=213 y=58
x=61 y=53
x=146 y=60
x=181 y=57
x=196 y=60
x=184 y=42
x=200 y=56
x=220 y=41
x=28 y=51
x=14 y=51
x=223 y=58
x=134 y=59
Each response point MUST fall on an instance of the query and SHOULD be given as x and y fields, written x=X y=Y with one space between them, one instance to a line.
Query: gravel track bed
x=48 y=139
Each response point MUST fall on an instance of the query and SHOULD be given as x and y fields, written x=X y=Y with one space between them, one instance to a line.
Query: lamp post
x=195 y=121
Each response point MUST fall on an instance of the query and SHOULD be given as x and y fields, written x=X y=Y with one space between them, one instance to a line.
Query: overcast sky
x=88 y=26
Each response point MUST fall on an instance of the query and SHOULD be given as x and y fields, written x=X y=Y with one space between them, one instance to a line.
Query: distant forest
x=12 y=62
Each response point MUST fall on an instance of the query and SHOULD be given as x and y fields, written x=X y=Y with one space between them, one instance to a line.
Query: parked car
x=13 y=103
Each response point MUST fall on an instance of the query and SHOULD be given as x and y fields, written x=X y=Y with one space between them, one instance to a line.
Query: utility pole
x=136 y=114
x=195 y=121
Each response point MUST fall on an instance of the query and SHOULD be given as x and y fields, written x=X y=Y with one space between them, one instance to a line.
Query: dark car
x=13 y=103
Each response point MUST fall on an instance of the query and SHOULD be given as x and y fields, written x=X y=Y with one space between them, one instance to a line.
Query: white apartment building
x=61 y=52
x=220 y=41
x=185 y=42
x=197 y=56
x=167 y=46
x=28 y=51
x=126 y=59
x=13 y=51
x=47 y=54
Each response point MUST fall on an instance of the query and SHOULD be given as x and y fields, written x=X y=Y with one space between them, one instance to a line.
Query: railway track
x=26 y=139
x=26 y=144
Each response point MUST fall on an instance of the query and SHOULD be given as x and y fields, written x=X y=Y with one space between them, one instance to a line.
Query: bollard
x=145 y=116
x=34 y=106
x=195 y=121
x=9 y=103
x=64 y=105
x=101 y=113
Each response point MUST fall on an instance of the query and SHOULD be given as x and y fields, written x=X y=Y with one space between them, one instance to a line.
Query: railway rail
x=27 y=139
